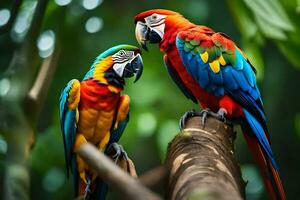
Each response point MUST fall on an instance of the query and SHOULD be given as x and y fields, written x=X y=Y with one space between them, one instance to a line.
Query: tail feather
x=100 y=190
x=260 y=148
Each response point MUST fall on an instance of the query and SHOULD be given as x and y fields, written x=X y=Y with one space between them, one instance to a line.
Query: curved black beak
x=135 y=66
x=142 y=34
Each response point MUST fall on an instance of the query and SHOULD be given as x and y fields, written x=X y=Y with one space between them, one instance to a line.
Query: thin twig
x=127 y=186
x=39 y=90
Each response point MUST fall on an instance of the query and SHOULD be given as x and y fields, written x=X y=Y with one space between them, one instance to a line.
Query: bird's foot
x=87 y=191
x=220 y=115
x=117 y=152
x=187 y=115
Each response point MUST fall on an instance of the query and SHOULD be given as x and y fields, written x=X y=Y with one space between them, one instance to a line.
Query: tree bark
x=201 y=163
x=128 y=187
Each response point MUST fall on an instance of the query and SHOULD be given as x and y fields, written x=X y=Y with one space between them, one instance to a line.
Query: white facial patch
x=156 y=22
x=119 y=68
x=160 y=29
x=121 y=59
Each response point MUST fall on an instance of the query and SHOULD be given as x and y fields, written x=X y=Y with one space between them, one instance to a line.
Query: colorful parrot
x=94 y=111
x=211 y=69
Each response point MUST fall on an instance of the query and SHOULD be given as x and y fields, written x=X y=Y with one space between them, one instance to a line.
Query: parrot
x=94 y=110
x=210 y=69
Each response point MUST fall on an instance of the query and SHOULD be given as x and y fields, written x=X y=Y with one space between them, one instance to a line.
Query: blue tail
x=261 y=136
x=259 y=146
x=100 y=191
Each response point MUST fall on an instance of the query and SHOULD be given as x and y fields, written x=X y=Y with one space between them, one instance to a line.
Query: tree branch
x=155 y=178
x=37 y=94
x=202 y=164
x=127 y=186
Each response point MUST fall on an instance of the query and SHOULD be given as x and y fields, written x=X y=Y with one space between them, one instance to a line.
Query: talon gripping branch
x=94 y=111
x=210 y=69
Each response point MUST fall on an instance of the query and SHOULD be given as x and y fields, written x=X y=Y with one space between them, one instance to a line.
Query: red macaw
x=94 y=111
x=211 y=69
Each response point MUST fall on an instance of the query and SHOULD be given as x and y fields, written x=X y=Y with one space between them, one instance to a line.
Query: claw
x=87 y=191
x=220 y=115
x=116 y=152
x=186 y=116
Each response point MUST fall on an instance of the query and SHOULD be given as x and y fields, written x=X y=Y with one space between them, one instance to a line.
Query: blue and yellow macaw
x=94 y=111
x=212 y=70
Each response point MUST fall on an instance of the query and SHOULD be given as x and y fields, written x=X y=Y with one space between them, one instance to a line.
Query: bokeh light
x=63 y=2
x=255 y=186
x=93 y=24
x=91 y=4
x=4 y=16
x=23 y=20
x=46 y=43
x=3 y=145
x=4 y=86
x=54 y=179
x=146 y=124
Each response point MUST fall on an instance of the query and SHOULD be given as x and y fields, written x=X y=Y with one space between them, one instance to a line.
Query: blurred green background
x=268 y=31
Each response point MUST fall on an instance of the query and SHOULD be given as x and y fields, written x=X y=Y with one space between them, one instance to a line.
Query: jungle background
x=67 y=37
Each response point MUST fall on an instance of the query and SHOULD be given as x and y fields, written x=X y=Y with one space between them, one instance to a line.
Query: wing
x=68 y=111
x=117 y=132
x=178 y=81
x=221 y=68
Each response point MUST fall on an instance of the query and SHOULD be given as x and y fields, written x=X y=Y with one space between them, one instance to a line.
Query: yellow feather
x=204 y=56
x=74 y=95
x=215 y=66
x=101 y=67
x=77 y=116
x=222 y=61
x=114 y=89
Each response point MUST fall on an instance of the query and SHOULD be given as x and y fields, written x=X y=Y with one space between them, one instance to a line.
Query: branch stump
x=201 y=163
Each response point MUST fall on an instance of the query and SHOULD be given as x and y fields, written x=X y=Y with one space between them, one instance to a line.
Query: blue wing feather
x=239 y=65
x=117 y=133
x=236 y=80
x=204 y=80
x=68 y=125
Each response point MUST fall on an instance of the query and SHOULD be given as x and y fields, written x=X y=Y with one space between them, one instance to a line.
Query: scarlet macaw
x=94 y=111
x=211 y=69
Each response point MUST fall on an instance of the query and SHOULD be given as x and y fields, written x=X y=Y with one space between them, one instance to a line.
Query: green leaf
x=242 y=17
x=269 y=30
x=271 y=12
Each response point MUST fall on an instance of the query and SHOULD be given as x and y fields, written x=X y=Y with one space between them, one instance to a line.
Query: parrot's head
x=152 y=25
x=118 y=63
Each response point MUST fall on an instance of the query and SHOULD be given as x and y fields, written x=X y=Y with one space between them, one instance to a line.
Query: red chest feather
x=97 y=96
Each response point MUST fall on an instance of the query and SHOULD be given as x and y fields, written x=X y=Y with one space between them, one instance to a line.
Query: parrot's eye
x=122 y=53
x=154 y=17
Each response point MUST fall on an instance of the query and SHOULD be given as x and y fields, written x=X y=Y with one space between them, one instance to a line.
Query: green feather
x=213 y=53
x=194 y=43
x=188 y=46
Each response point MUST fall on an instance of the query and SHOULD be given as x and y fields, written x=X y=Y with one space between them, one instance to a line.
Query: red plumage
x=97 y=96
x=176 y=25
